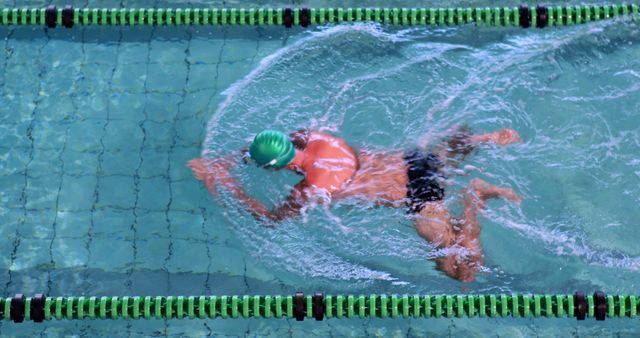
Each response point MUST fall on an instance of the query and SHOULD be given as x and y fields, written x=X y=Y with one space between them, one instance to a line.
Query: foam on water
x=562 y=243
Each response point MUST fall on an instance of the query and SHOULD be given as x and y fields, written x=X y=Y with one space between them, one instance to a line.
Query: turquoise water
x=97 y=125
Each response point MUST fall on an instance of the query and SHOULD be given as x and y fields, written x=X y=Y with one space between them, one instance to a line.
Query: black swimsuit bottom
x=423 y=169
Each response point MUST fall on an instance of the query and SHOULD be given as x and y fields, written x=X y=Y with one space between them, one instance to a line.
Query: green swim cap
x=272 y=148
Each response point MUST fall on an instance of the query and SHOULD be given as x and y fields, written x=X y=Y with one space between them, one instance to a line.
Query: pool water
x=97 y=124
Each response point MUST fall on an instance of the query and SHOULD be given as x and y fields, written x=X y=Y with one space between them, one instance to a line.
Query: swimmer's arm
x=208 y=169
x=300 y=196
x=290 y=208
x=294 y=203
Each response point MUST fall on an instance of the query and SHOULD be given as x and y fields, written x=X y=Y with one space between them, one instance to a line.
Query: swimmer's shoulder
x=313 y=136
x=321 y=140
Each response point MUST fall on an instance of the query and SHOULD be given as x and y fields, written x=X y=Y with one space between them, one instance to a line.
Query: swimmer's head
x=273 y=149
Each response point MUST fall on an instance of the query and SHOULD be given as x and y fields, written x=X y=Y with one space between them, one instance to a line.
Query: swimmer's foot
x=485 y=191
x=500 y=137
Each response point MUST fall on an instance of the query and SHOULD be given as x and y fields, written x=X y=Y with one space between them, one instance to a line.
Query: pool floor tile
x=49 y=135
x=166 y=76
x=110 y=255
x=19 y=107
x=204 y=51
x=97 y=78
x=231 y=72
x=11 y=187
x=188 y=256
x=178 y=160
x=239 y=50
x=84 y=136
x=127 y=106
x=42 y=222
x=42 y=192
x=67 y=77
x=92 y=105
x=131 y=78
x=152 y=253
x=76 y=193
x=165 y=51
x=13 y=134
x=14 y=162
x=116 y=191
x=134 y=54
x=202 y=76
x=187 y=225
x=7 y=247
x=119 y=163
x=163 y=107
x=187 y=195
x=152 y=225
x=158 y=135
x=31 y=253
x=78 y=163
x=110 y=223
x=123 y=135
x=55 y=107
x=197 y=103
x=73 y=224
x=19 y=78
x=45 y=163
x=189 y=132
x=154 y=193
x=227 y=260
x=154 y=163
x=97 y=52
x=69 y=252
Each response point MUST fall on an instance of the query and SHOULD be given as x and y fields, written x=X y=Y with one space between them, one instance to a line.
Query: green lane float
x=523 y=16
x=319 y=306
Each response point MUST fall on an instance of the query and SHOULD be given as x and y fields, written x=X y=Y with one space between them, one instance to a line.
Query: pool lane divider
x=523 y=16
x=319 y=306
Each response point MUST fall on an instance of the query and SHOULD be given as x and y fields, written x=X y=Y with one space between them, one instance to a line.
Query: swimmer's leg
x=435 y=225
x=501 y=137
x=475 y=198
x=462 y=142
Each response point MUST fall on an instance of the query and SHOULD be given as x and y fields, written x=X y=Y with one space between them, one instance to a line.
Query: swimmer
x=410 y=179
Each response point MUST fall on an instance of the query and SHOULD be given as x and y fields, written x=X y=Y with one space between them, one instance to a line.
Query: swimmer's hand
x=213 y=173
